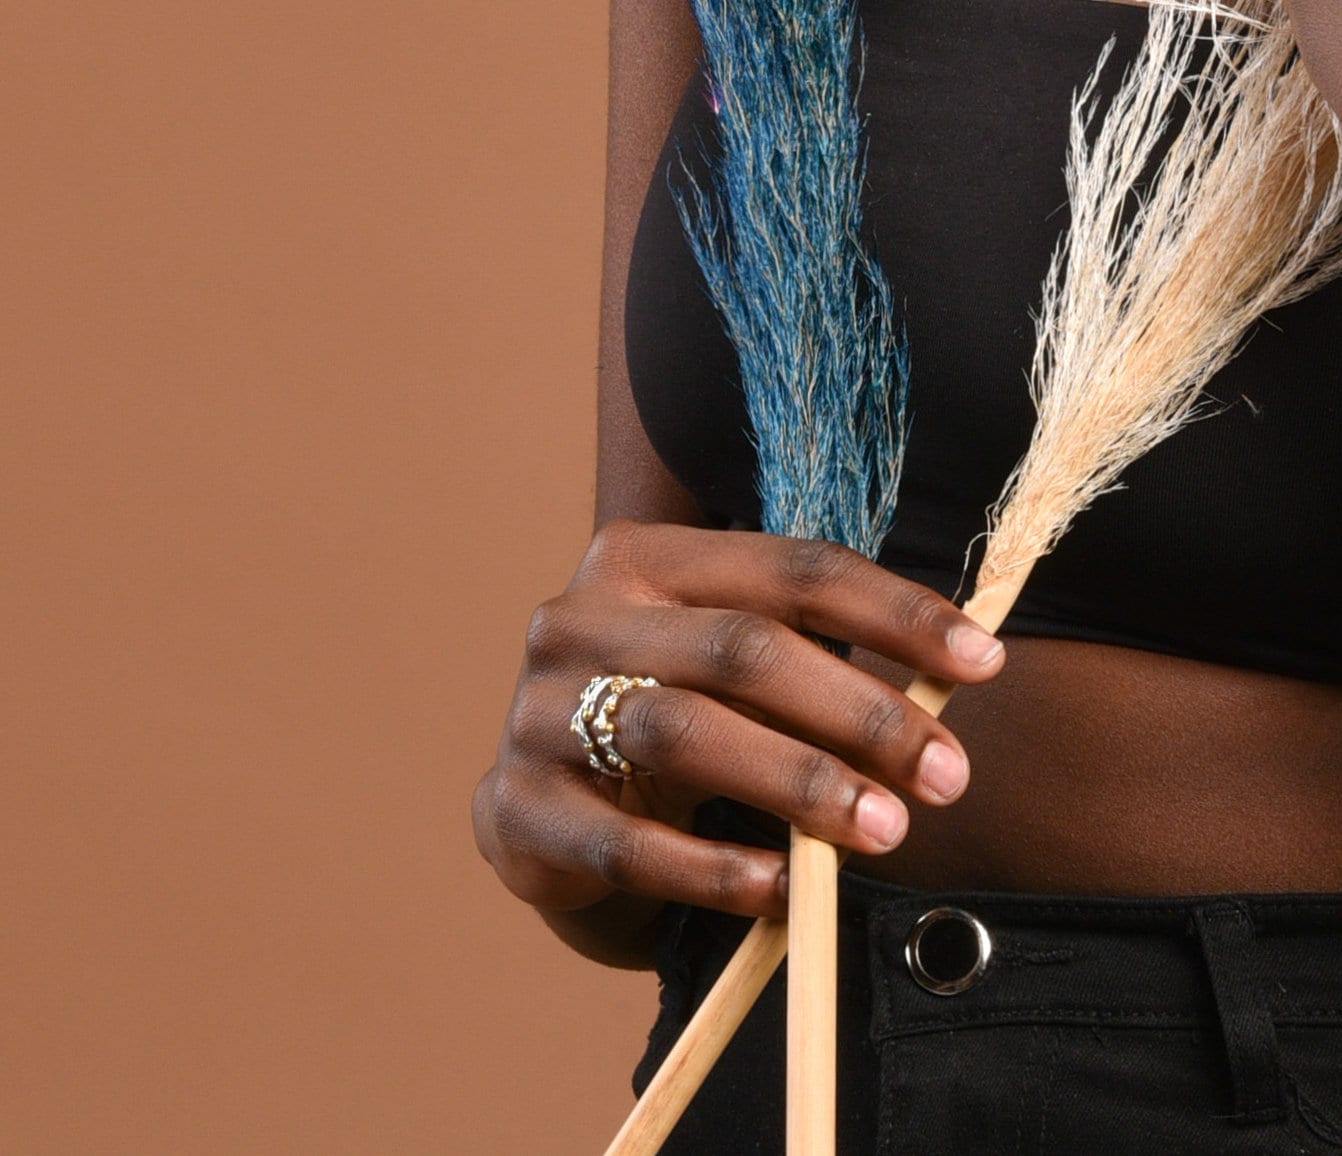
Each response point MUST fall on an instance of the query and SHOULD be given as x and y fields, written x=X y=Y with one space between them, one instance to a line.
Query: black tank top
x=1222 y=545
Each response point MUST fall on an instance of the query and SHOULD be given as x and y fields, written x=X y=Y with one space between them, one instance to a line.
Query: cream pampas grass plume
x=1243 y=214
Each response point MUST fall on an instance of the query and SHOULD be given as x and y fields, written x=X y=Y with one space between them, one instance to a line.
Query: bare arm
x=653 y=48
x=1318 y=28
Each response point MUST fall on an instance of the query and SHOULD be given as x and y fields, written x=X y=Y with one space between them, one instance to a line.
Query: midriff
x=1102 y=769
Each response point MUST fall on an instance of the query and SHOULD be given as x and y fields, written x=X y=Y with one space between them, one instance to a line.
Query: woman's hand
x=749 y=708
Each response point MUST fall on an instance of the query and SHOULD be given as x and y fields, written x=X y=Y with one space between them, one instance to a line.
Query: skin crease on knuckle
x=736 y=880
x=921 y=614
x=531 y=727
x=551 y=634
x=504 y=824
x=663 y=727
x=483 y=811
x=819 y=782
x=513 y=815
x=743 y=650
x=882 y=723
x=618 y=553
x=620 y=856
x=809 y=566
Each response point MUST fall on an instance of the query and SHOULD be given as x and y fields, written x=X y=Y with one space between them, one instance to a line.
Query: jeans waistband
x=1241 y=965
x=1093 y=959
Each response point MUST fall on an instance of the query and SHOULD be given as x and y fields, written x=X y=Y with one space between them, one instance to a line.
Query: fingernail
x=943 y=770
x=972 y=644
x=881 y=818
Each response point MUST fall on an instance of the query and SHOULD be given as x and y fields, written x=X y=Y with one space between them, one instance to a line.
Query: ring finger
x=712 y=748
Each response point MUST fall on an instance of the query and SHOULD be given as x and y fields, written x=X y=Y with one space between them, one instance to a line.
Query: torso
x=1113 y=768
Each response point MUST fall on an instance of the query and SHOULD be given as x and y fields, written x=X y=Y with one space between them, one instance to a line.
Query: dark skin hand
x=722 y=620
x=1096 y=768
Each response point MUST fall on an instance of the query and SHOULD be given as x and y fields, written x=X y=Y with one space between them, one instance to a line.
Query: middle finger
x=803 y=690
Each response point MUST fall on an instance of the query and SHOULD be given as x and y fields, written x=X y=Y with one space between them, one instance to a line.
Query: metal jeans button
x=947 y=951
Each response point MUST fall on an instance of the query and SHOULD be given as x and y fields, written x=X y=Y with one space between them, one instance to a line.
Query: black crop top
x=1224 y=543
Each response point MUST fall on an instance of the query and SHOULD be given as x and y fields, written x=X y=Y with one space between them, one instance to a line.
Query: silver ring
x=957 y=972
x=594 y=723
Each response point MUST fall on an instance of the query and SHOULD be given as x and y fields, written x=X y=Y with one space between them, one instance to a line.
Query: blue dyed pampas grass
x=776 y=233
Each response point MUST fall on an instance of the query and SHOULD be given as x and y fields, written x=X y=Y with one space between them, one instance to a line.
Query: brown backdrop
x=297 y=358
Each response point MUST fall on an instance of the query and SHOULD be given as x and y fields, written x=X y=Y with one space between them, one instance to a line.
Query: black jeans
x=1167 y=1025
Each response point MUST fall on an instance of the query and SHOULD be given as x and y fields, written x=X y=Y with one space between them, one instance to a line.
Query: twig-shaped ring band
x=594 y=723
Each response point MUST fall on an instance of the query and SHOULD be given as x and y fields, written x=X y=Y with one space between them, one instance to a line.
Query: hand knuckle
x=615 y=546
x=881 y=722
x=531 y=727
x=742 y=649
x=615 y=853
x=660 y=727
x=919 y=611
x=809 y=564
x=483 y=810
x=732 y=877
x=814 y=780
x=550 y=633
x=499 y=809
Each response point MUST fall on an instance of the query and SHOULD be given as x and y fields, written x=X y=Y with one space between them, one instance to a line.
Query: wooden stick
x=701 y=1043
x=812 y=994
x=813 y=915
x=759 y=954
x=989 y=608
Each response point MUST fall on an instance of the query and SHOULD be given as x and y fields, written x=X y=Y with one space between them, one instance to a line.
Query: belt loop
x=1228 y=947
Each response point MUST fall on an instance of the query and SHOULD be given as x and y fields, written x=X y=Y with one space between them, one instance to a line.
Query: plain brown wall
x=297 y=353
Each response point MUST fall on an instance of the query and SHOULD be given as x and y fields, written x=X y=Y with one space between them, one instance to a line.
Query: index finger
x=816 y=587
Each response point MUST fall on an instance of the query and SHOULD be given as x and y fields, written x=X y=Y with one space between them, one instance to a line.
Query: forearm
x=1318 y=28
